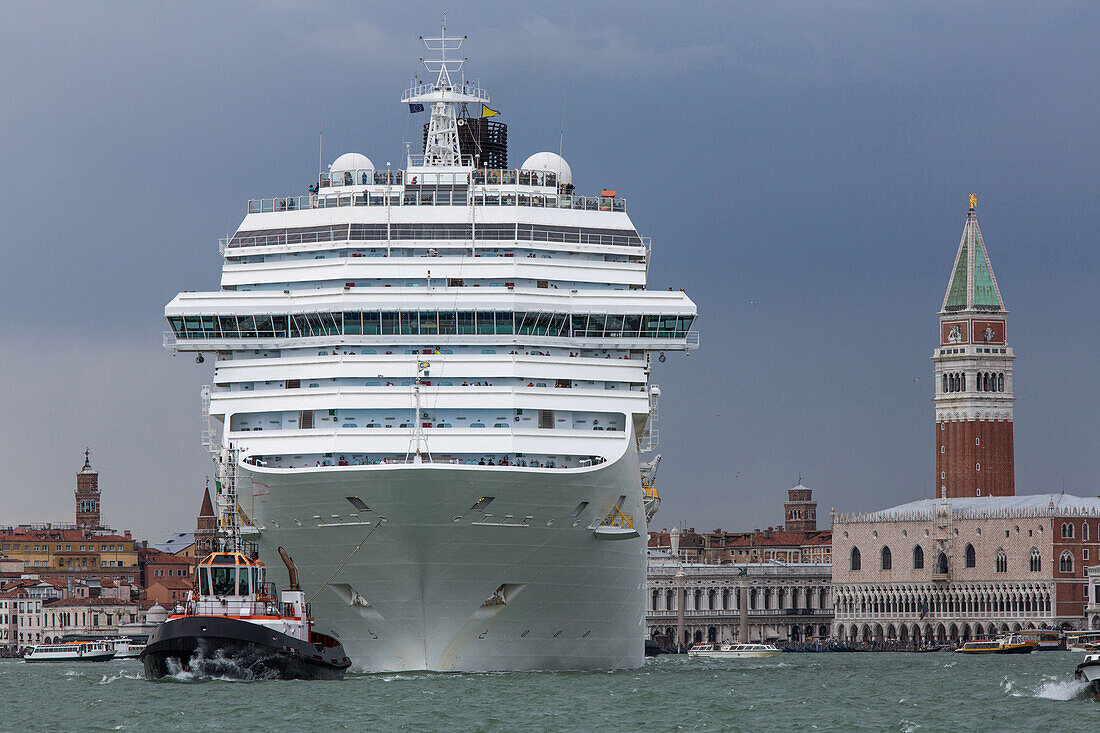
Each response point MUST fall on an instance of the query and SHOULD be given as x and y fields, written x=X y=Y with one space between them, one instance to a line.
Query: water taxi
x=1089 y=671
x=72 y=651
x=233 y=626
x=1014 y=644
x=733 y=651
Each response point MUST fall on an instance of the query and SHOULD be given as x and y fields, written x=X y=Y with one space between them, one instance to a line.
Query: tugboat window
x=244 y=582
x=224 y=581
x=204 y=581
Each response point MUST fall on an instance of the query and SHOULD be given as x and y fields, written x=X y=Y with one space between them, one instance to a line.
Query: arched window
x=1001 y=382
x=945 y=383
x=1035 y=561
x=918 y=558
x=971 y=560
x=941 y=564
x=887 y=559
x=1084 y=531
x=1067 y=529
x=1065 y=562
x=1002 y=561
x=856 y=563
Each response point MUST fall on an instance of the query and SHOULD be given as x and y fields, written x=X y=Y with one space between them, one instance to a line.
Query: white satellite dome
x=551 y=162
x=351 y=162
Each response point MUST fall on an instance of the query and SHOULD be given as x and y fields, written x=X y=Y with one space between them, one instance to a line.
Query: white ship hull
x=414 y=596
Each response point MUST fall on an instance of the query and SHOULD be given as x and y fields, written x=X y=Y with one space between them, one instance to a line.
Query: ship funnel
x=291 y=569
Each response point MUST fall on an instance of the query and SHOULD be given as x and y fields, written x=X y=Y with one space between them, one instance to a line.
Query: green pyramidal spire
x=972 y=286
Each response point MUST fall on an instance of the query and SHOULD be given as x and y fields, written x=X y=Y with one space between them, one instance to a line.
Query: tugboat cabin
x=225 y=574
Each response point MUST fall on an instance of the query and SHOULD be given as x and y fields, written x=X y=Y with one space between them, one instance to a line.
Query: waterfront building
x=63 y=553
x=157 y=565
x=955 y=569
x=798 y=541
x=459 y=349
x=21 y=618
x=770 y=601
x=88 y=617
x=977 y=559
x=168 y=592
x=1092 y=610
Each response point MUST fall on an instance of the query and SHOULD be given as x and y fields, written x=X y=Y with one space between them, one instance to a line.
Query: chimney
x=145 y=544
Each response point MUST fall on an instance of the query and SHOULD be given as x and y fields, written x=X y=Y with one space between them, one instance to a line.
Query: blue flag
x=415 y=107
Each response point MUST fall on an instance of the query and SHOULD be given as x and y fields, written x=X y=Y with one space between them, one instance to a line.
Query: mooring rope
x=381 y=521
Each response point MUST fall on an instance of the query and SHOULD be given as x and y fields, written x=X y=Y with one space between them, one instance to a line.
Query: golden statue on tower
x=973 y=201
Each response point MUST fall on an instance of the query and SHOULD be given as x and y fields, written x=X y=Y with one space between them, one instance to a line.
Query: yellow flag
x=487 y=111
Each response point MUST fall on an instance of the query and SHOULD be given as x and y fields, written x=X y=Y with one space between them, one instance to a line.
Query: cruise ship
x=431 y=386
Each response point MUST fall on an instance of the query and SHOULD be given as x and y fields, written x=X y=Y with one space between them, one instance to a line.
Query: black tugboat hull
x=216 y=646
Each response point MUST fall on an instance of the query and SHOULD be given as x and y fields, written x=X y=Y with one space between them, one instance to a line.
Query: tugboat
x=232 y=626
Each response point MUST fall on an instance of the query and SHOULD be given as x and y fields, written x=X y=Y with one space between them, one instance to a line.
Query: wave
x=1050 y=688
x=120 y=676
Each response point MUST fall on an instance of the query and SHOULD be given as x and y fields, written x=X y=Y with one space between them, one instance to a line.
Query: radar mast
x=441 y=146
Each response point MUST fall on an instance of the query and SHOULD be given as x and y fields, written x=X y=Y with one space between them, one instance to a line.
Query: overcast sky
x=803 y=170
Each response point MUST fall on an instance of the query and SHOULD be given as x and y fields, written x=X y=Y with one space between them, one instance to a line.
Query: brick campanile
x=87 y=495
x=973 y=376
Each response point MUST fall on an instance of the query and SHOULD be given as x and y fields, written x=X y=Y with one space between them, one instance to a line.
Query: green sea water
x=792 y=692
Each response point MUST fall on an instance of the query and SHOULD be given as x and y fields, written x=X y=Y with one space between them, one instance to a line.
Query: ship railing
x=416 y=160
x=692 y=340
x=470 y=89
x=619 y=520
x=438 y=243
x=348 y=198
x=362 y=177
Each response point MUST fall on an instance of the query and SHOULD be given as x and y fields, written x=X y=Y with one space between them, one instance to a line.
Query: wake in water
x=239 y=667
x=120 y=676
x=1051 y=688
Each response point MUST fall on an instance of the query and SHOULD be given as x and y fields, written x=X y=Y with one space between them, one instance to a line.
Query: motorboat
x=71 y=651
x=733 y=651
x=126 y=648
x=1014 y=644
x=232 y=626
x=1089 y=671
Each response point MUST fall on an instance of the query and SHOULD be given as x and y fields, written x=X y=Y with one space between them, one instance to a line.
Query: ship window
x=244 y=582
x=223 y=580
x=204 y=581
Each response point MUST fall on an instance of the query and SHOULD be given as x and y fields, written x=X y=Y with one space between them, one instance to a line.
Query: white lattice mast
x=442 y=145
x=418 y=442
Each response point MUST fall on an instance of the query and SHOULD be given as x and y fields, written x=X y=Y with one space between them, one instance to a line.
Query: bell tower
x=973 y=378
x=87 y=495
x=800 y=510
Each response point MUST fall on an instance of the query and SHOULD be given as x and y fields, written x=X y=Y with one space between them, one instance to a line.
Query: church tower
x=205 y=528
x=973 y=377
x=87 y=495
x=800 y=510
